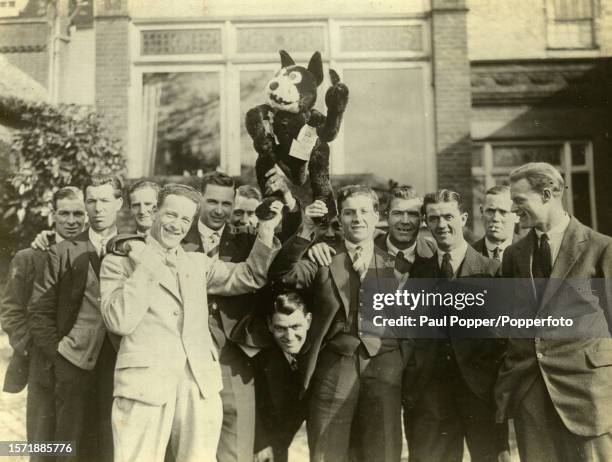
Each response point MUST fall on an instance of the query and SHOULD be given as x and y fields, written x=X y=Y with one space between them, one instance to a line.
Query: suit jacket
x=577 y=371
x=425 y=248
x=478 y=358
x=58 y=294
x=25 y=267
x=235 y=247
x=280 y=408
x=330 y=292
x=164 y=322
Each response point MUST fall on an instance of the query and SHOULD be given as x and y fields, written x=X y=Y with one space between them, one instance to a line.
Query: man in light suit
x=168 y=378
x=498 y=221
x=66 y=325
x=556 y=381
x=354 y=376
x=448 y=392
x=28 y=365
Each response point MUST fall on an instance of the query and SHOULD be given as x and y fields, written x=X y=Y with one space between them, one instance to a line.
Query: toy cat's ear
x=286 y=60
x=315 y=67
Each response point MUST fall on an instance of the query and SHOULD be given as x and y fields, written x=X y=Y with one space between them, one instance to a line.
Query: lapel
x=340 y=269
x=470 y=264
x=167 y=279
x=94 y=258
x=571 y=247
x=192 y=242
x=524 y=259
x=80 y=262
x=186 y=281
x=228 y=245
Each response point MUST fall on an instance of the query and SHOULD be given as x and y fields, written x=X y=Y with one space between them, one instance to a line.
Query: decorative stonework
x=181 y=42
x=271 y=39
x=23 y=49
x=381 y=38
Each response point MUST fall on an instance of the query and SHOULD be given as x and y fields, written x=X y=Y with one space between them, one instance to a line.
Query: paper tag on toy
x=302 y=147
x=268 y=124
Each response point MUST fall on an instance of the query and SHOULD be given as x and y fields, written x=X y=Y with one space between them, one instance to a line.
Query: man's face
x=217 y=205
x=143 y=205
x=173 y=220
x=497 y=217
x=404 y=220
x=528 y=204
x=329 y=232
x=446 y=223
x=289 y=330
x=102 y=206
x=244 y=211
x=358 y=218
x=69 y=217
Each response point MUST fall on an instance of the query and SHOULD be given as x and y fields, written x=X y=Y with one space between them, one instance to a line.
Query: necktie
x=446 y=269
x=402 y=265
x=358 y=264
x=497 y=254
x=545 y=256
x=293 y=364
x=102 y=248
x=213 y=244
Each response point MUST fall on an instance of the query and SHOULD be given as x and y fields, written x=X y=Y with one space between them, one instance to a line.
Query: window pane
x=513 y=156
x=578 y=153
x=252 y=85
x=582 y=197
x=385 y=125
x=182 y=122
x=477 y=154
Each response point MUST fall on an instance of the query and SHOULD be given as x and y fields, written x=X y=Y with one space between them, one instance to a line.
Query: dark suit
x=425 y=248
x=83 y=398
x=280 y=408
x=559 y=389
x=27 y=365
x=448 y=392
x=354 y=377
x=225 y=316
x=481 y=247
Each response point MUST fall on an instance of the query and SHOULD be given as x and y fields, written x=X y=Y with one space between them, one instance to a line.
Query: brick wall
x=452 y=96
x=112 y=67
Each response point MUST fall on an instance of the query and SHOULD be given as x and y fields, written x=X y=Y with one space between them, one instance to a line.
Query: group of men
x=208 y=335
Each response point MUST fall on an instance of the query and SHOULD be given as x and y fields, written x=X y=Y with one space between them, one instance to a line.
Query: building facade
x=443 y=93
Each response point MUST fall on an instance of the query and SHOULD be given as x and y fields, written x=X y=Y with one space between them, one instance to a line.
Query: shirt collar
x=97 y=238
x=150 y=240
x=558 y=229
x=367 y=246
x=456 y=255
x=58 y=238
x=409 y=253
x=502 y=246
x=207 y=232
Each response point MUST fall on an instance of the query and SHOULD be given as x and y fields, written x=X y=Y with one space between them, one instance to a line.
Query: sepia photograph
x=326 y=231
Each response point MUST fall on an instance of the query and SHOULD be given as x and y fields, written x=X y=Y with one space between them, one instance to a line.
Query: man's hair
x=67 y=192
x=288 y=303
x=443 y=195
x=249 y=192
x=497 y=189
x=540 y=176
x=356 y=190
x=175 y=189
x=217 y=178
x=403 y=192
x=142 y=184
x=101 y=180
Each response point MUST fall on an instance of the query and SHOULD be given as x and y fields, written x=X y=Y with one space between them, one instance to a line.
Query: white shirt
x=491 y=247
x=456 y=256
x=409 y=253
x=555 y=236
x=206 y=232
x=100 y=241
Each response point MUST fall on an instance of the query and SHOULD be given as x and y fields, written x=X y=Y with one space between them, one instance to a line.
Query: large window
x=493 y=161
x=570 y=24
x=192 y=86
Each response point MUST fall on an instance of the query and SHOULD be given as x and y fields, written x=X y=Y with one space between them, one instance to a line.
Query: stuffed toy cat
x=287 y=131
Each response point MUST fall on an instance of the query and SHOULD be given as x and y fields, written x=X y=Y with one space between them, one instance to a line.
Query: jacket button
x=537 y=339
x=176 y=313
x=539 y=355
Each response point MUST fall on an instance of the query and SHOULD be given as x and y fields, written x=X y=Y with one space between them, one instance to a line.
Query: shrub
x=54 y=146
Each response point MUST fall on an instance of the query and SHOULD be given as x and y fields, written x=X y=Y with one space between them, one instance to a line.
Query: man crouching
x=167 y=377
